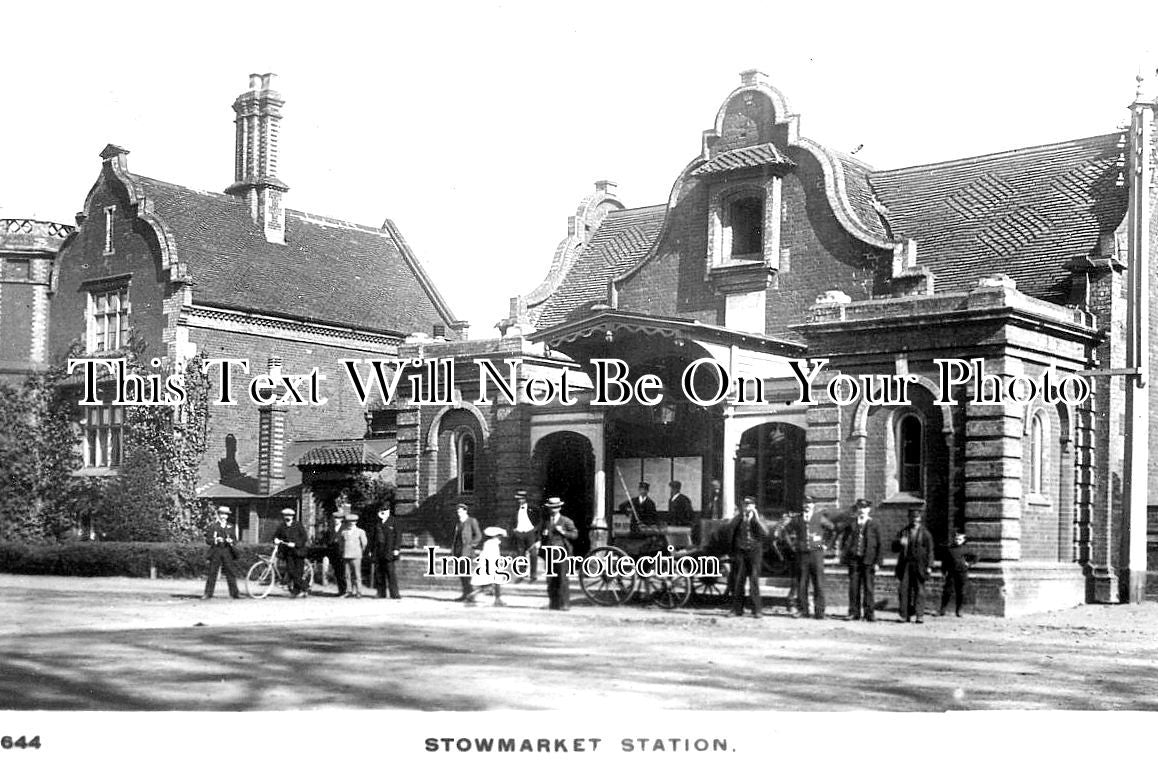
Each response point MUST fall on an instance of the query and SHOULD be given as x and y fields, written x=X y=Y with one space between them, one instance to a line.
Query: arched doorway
x=564 y=464
x=770 y=467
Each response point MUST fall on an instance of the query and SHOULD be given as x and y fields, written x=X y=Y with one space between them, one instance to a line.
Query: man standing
x=385 y=553
x=467 y=536
x=715 y=504
x=955 y=566
x=334 y=552
x=292 y=538
x=861 y=552
x=525 y=534
x=914 y=544
x=747 y=534
x=559 y=531
x=353 y=547
x=221 y=537
x=809 y=534
x=679 y=506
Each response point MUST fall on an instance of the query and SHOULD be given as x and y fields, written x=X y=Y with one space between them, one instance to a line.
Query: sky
x=478 y=127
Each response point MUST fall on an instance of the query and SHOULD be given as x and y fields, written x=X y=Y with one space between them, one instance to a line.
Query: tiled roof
x=328 y=271
x=744 y=158
x=1025 y=213
x=245 y=483
x=621 y=241
x=341 y=455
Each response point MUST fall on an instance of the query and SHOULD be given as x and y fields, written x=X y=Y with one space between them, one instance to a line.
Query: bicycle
x=268 y=571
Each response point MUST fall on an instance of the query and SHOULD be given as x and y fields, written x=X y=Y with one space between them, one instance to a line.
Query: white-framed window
x=911 y=455
x=103 y=425
x=1037 y=454
x=465 y=454
x=108 y=318
x=110 y=219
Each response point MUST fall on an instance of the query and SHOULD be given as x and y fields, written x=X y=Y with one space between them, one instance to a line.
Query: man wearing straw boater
x=558 y=531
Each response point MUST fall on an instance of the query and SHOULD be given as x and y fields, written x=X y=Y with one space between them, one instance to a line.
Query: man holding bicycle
x=291 y=538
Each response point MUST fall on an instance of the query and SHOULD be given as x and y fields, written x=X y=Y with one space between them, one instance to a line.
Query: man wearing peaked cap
x=221 y=537
x=354 y=543
x=558 y=530
x=291 y=538
x=467 y=536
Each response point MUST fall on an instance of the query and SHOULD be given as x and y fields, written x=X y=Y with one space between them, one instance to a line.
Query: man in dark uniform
x=914 y=545
x=334 y=552
x=809 y=534
x=955 y=566
x=747 y=534
x=861 y=552
x=641 y=504
x=221 y=537
x=384 y=549
x=558 y=531
x=292 y=538
x=467 y=536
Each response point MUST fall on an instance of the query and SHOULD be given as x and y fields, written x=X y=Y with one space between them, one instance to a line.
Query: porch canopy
x=638 y=338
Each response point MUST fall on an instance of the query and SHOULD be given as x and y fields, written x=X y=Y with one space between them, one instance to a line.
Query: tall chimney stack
x=255 y=166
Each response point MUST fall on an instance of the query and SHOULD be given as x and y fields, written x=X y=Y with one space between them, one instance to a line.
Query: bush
x=105 y=558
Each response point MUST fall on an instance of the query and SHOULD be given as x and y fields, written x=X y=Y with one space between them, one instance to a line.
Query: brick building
x=240 y=275
x=773 y=247
x=27 y=254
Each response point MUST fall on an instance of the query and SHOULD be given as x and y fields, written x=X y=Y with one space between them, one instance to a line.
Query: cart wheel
x=713 y=587
x=669 y=592
x=259 y=580
x=605 y=588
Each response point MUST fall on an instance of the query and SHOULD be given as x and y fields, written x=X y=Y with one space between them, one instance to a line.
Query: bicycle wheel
x=259 y=581
x=308 y=576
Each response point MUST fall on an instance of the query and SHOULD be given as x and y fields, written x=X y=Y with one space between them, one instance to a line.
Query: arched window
x=1036 y=454
x=746 y=223
x=911 y=456
x=465 y=461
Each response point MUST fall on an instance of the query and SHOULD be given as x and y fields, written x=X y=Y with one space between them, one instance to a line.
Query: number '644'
x=7 y=743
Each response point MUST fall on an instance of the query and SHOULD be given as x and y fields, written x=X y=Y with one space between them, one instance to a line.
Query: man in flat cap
x=861 y=552
x=221 y=537
x=384 y=549
x=467 y=536
x=558 y=530
x=525 y=533
x=914 y=548
x=810 y=533
x=353 y=547
x=291 y=538
x=746 y=535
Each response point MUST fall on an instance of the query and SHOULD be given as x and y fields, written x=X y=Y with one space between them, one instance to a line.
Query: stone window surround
x=720 y=198
x=462 y=435
x=893 y=492
x=110 y=219
x=109 y=287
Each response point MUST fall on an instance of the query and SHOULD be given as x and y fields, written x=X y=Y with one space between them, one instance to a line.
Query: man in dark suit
x=809 y=534
x=747 y=532
x=642 y=504
x=292 y=537
x=558 y=530
x=914 y=545
x=334 y=552
x=467 y=536
x=384 y=549
x=955 y=566
x=221 y=537
x=861 y=552
x=679 y=506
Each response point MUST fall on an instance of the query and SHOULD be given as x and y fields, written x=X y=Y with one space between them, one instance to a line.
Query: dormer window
x=744 y=228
